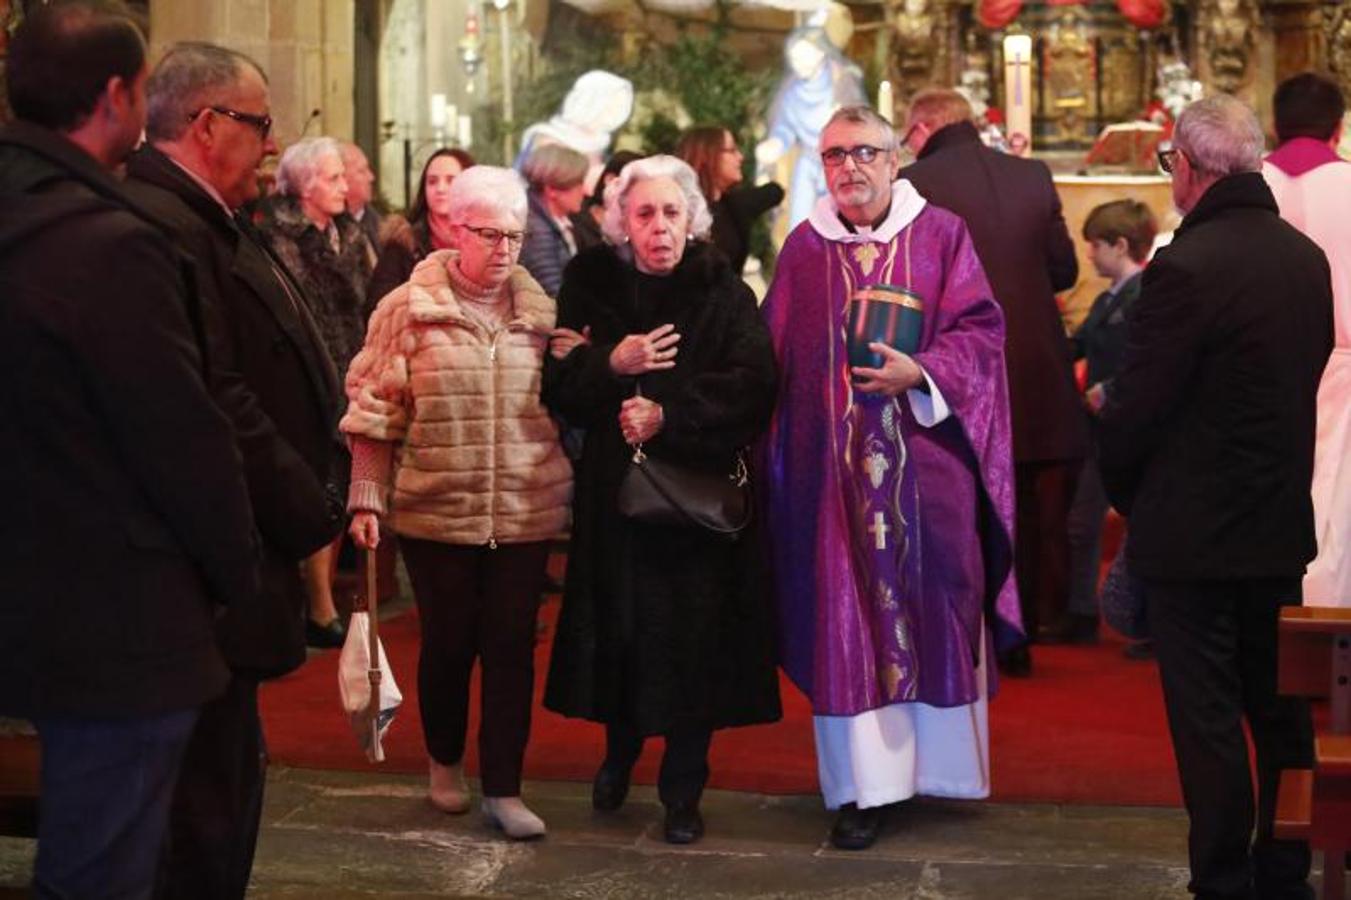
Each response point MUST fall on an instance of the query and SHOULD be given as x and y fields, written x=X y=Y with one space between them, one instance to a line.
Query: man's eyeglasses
x=1168 y=159
x=493 y=236
x=262 y=124
x=862 y=154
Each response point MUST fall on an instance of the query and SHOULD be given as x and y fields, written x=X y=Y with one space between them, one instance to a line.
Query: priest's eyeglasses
x=862 y=154
x=493 y=236
x=262 y=124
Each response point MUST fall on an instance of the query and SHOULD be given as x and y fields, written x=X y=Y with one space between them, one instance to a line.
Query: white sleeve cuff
x=929 y=408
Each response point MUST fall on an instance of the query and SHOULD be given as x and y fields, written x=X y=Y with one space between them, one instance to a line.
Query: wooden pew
x=1314 y=805
x=19 y=757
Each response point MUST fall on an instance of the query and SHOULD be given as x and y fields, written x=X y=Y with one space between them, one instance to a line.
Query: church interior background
x=401 y=77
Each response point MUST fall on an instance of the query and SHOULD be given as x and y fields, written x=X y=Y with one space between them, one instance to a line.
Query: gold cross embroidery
x=866 y=256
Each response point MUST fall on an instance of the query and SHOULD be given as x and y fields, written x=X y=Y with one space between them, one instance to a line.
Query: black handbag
x=656 y=492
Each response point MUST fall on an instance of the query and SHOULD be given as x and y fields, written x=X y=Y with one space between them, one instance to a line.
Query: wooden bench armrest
x=1294 y=805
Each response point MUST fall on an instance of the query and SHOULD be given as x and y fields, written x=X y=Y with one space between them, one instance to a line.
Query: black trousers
x=1045 y=493
x=1216 y=645
x=684 y=764
x=218 y=802
x=477 y=603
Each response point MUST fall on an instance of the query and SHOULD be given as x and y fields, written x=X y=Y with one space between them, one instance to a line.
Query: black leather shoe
x=1073 y=628
x=1017 y=663
x=683 y=825
x=325 y=636
x=857 y=829
x=609 y=789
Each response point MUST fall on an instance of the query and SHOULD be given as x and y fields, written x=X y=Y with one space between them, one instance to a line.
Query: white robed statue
x=598 y=105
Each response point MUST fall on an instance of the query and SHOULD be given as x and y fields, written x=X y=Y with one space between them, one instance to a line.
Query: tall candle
x=439 y=117
x=1018 y=93
x=466 y=136
x=886 y=105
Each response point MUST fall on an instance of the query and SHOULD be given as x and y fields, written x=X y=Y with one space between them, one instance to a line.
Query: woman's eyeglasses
x=493 y=236
x=862 y=154
x=262 y=124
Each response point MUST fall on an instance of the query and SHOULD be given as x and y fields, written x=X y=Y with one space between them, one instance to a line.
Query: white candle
x=466 y=137
x=439 y=116
x=886 y=105
x=1018 y=93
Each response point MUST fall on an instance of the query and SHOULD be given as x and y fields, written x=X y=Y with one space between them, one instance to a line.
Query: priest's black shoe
x=857 y=829
x=683 y=825
x=609 y=789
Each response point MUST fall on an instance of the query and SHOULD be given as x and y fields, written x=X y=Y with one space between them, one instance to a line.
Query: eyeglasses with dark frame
x=493 y=236
x=261 y=124
x=862 y=154
x=1168 y=159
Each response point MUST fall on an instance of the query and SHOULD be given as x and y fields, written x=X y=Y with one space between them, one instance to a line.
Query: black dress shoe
x=1017 y=663
x=683 y=825
x=325 y=636
x=1073 y=628
x=857 y=829
x=609 y=789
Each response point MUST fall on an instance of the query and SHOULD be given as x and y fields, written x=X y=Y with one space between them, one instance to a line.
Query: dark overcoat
x=663 y=628
x=1013 y=213
x=271 y=375
x=127 y=523
x=1207 y=438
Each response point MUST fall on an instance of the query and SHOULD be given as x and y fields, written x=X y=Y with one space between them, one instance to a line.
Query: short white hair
x=617 y=193
x=488 y=189
x=300 y=163
x=1220 y=135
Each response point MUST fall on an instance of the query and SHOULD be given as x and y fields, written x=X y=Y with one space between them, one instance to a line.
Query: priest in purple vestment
x=888 y=491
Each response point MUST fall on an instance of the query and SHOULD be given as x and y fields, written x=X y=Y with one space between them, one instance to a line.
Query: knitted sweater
x=476 y=456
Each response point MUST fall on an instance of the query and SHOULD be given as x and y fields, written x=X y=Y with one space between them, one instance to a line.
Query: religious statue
x=598 y=105
x=915 y=44
x=1070 y=72
x=1227 y=36
x=817 y=80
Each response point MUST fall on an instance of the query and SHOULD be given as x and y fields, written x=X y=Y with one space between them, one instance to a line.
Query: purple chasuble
x=890 y=540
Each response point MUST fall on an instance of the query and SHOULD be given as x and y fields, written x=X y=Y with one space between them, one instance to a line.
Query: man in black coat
x=127 y=522
x=209 y=131
x=1207 y=444
x=1013 y=213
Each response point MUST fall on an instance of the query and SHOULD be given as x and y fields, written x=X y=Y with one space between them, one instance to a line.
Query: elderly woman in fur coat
x=454 y=451
x=327 y=252
x=664 y=630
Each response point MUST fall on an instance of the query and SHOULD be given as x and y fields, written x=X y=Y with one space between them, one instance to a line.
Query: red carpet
x=1087 y=728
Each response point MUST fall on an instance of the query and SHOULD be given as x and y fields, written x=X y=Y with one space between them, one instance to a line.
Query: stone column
x=306 y=46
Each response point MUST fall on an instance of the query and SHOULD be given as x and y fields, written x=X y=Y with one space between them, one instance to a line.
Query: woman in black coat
x=665 y=630
x=715 y=157
x=427 y=228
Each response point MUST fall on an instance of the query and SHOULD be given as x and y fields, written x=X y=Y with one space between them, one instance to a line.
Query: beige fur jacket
x=477 y=458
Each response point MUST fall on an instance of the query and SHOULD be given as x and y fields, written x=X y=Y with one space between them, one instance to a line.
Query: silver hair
x=300 y=163
x=556 y=166
x=679 y=171
x=1220 y=135
x=192 y=75
x=861 y=115
x=487 y=189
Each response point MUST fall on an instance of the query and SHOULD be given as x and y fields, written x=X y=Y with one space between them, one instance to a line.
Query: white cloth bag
x=359 y=682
